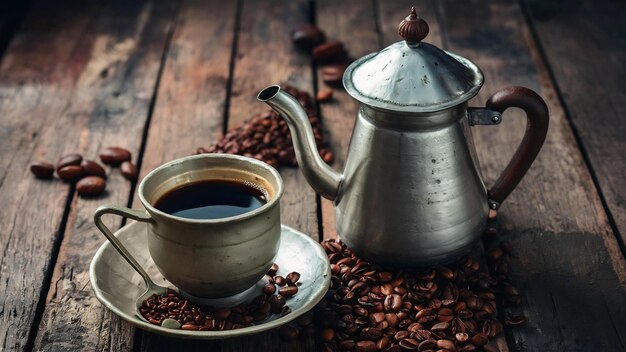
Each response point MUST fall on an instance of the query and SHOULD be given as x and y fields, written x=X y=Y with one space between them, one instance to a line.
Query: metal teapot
x=411 y=193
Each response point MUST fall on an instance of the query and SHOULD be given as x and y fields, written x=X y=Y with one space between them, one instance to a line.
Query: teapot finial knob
x=413 y=28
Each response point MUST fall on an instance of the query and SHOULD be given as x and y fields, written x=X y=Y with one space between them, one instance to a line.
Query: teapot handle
x=536 y=129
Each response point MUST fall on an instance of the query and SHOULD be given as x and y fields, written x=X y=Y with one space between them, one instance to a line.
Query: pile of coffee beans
x=449 y=308
x=331 y=56
x=90 y=177
x=266 y=136
x=188 y=316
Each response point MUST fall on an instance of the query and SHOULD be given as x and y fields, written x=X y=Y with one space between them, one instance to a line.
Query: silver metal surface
x=208 y=258
x=411 y=193
x=412 y=77
x=320 y=176
x=117 y=286
x=482 y=116
x=412 y=197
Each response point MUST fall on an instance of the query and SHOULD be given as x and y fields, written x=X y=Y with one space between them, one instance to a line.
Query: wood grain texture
x=189 y=108
x=46 y=104
x=354 y=24
x=109 y=106
x=585 y=44
x=266 y=56
x=568 y=264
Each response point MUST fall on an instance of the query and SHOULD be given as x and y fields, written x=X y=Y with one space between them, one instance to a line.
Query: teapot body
x=412 y=194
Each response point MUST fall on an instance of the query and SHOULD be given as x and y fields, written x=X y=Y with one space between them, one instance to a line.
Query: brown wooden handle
x=536 y=129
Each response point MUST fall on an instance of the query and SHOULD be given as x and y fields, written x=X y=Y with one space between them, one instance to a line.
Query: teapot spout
x=320 y=176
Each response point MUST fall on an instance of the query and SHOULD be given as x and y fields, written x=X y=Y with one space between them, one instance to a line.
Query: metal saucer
x=117 y=285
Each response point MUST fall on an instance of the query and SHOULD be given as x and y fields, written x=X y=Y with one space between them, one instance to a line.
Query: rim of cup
x=276 y=198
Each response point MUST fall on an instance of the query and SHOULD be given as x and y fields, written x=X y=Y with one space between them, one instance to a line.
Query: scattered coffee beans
x=89 y=174
x=90 y=186
x=332 y=53
x=42 y=169
x=202 y=318
x=266 y=136
x=449 y=308
x=114 y=155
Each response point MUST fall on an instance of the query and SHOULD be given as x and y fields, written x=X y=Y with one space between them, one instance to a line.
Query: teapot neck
x=412 y=121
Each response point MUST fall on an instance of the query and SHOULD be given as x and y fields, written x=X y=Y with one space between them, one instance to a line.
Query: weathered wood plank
x=568 y=264
x=109 y=106
x=189 y=109
x=42 y=118
x=585 y=44
x=266 y=56
x=354 y=24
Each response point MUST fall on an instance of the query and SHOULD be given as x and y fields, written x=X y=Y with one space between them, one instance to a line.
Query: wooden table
x=163 y=78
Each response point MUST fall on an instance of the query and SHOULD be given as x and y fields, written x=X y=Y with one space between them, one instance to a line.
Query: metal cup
x=216 y=257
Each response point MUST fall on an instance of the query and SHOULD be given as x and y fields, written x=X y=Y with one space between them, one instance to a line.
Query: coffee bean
x=69 y=159
x=365 y=346
x=333 y=74
x=440 y=326
x=279 y=280
x=409 y=344
x=91 y=168
x=70 y=173
x=328 y=334
x=461 y=337
x=288 y=291
x=292 y=278
x=370 y=333
x=42 y=169
x=446 y=344
x=376 y=318
x=385 y=276
x=90 y=186
x=288 y=332
x=269 y=289
x=276 y=302
x=327 y=156
x=329 y=52
x=128 y=170
x=382 y=343
x=114 y=155
x=307 y=36
x=273 y=270
x=190 y=327
x=324 y=95
x=479 y=339
x=393 y=303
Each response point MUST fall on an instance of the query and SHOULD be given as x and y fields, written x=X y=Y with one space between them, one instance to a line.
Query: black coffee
x=211 y=199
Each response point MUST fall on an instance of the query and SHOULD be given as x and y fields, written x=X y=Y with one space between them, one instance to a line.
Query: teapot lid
x=411 y=75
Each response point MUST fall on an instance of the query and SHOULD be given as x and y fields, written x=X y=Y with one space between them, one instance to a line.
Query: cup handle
x=537 y=119
x=135 y=214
